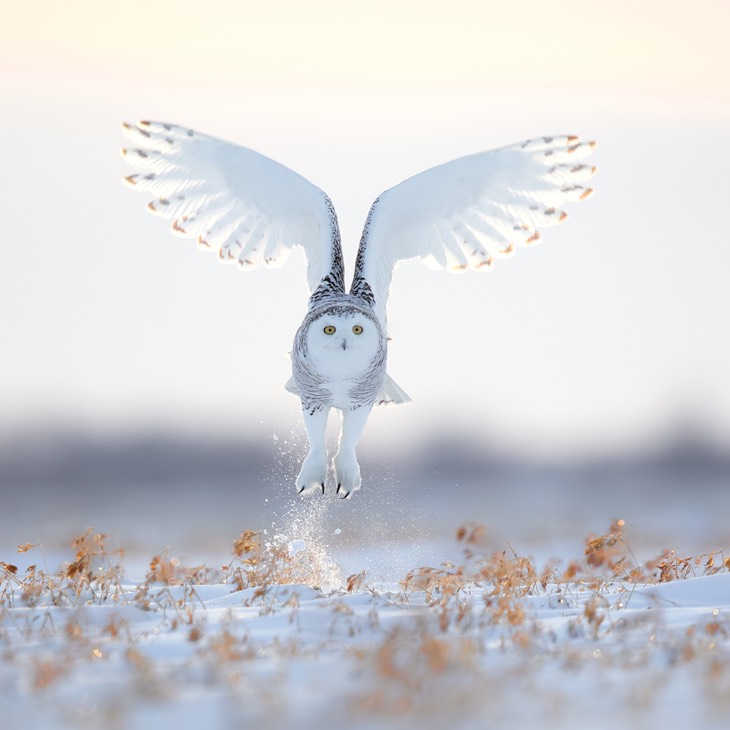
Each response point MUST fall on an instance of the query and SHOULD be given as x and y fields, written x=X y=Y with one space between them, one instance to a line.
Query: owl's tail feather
x=291 y=386
x=391 y=394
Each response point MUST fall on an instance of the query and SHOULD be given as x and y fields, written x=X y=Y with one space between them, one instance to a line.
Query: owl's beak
x=344 y=343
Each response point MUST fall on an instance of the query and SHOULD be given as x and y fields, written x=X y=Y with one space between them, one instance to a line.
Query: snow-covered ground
x=315 y=626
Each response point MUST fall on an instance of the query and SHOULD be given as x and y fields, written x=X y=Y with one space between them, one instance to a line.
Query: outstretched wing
x=230 y=199
x=470 y=211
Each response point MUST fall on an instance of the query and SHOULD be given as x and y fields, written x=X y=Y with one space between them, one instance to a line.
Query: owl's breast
x=337 y=361
x=350 y=376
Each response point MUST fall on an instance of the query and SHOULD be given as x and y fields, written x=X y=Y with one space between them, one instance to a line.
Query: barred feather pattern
x=314 y=389
x=360 y=287
x=333 y=283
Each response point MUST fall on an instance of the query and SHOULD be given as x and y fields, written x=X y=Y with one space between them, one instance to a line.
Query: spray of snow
x=303 y=529
x=323 y=534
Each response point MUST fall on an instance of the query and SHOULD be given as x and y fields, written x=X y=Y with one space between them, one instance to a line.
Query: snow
x=284 y=634
x=296 y=546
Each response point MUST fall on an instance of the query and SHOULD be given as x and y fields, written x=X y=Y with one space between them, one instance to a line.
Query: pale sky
x=605 y=337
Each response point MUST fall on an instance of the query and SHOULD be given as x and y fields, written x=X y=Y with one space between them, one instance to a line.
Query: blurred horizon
x=685 y=434
x=151 y=489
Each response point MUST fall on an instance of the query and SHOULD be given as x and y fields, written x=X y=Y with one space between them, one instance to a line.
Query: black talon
x=339 y=486
x=300 y=490
x=322 y=483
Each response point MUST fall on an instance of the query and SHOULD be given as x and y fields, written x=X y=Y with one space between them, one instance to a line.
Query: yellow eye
x=329 y=330
x=357 y=329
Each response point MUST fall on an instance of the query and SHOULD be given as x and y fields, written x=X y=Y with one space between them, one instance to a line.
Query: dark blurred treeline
x=77 y=459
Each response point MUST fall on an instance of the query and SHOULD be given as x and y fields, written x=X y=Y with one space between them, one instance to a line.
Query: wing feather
x=230 y=199
x=466 y=213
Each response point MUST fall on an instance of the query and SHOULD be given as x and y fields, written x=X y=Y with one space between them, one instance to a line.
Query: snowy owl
x=461 y=215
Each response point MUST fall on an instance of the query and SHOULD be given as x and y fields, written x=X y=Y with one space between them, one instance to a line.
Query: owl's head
x=345 y=332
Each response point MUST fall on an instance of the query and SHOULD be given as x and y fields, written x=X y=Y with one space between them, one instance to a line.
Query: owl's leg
x=347 y=469
x=314 y=468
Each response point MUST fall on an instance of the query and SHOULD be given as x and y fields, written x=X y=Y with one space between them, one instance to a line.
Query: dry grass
x=456 y=619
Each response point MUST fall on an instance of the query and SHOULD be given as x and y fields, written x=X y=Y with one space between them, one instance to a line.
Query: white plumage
x=464 y=214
